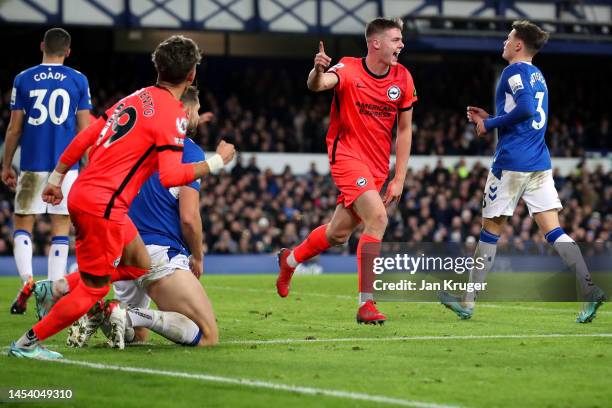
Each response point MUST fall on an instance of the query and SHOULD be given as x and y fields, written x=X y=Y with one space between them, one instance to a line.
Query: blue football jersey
x=50 y=95
x=521 y=147
x=155 y=210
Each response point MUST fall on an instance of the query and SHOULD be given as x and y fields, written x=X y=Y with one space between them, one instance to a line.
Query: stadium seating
x=252 y=210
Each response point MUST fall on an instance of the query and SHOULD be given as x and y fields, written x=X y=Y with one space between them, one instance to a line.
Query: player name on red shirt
x=139 y=134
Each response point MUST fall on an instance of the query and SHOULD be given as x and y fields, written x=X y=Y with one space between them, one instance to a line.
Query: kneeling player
x=169 y=222
x=144 y=132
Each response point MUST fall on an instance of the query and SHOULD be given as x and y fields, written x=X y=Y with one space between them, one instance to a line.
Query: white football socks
x=28 y=340
x=569 y=251
x=486 y=249
x=171 y=325
x=22 y=252
x=58 y=256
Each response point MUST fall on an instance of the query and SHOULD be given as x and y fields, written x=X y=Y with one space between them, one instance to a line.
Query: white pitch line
x=343 y=297
x=357 y=396
x=384 y=339
x=417 y=338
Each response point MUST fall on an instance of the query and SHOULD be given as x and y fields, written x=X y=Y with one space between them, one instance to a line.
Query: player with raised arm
x=369 y=95
x=169 y=222
x=50 y=104
x=141 y=133
x=522 y=168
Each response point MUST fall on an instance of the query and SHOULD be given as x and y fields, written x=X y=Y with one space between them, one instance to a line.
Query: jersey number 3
x=540 y=123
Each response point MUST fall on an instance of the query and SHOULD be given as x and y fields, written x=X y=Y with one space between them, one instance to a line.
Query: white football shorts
x=134 y=292
x=536 y=188
x=28 y=197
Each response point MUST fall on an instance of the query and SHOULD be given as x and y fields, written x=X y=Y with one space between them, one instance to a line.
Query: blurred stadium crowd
x=267 y=108
x=251 y=210
x=270 y=110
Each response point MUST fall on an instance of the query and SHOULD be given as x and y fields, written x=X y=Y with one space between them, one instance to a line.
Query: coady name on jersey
x=49 y=75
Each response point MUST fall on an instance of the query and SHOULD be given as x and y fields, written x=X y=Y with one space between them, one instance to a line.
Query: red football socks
x=68 y=309
x=365 y=259
x=313 y=245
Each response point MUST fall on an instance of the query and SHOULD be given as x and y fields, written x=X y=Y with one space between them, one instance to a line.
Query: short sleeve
x=341 y=71
x=410 y=94
x=516 y=81
x=84 y=95
x=193 y=154
x=17 y=102
x=171 y=131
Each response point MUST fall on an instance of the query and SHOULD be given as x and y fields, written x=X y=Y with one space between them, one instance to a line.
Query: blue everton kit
x=50 y=95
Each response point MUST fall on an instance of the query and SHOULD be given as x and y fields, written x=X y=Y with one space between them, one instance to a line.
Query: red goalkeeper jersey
x=138 y=135
x=364 y=110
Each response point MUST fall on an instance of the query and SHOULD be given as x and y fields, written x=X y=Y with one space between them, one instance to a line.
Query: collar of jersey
x=164 y=88
x=51 y=64
x=365 y=66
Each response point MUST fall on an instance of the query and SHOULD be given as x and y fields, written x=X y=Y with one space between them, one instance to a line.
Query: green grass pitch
x=507 y=355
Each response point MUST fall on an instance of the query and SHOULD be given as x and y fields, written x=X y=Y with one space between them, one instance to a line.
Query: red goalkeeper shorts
x=100 y=242
x=353 y=178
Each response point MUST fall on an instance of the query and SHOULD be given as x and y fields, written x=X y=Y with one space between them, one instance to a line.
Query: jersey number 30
x=49 y=111
x=540 y=123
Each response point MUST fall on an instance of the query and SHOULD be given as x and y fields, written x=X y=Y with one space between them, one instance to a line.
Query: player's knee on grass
x=182 y=293
x=206 y=322
x=193 y=333
x=210 y=337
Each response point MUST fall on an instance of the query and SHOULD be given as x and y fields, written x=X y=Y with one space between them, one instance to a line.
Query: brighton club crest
x=393 y=92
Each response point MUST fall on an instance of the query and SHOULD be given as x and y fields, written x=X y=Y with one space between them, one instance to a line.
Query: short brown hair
x=175 y=57
x=191 y=95
x=532 y=35
x=56 y=41
x=381 y=24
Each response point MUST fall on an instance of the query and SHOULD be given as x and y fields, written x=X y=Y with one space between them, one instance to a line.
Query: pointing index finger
x=321 y=47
